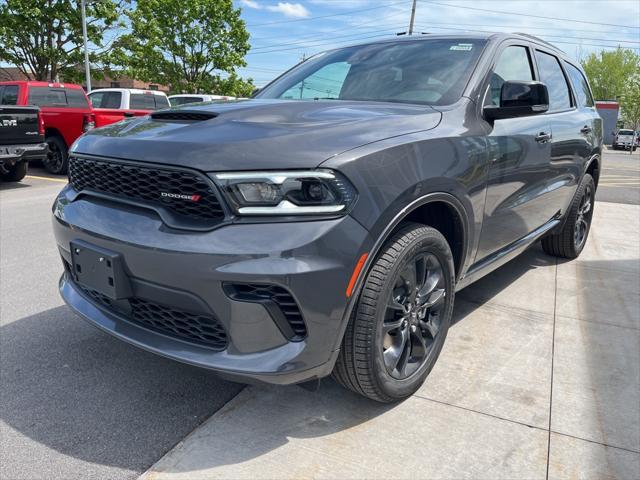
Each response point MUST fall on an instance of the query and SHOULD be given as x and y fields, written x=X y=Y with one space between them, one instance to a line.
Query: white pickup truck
x=625 y=139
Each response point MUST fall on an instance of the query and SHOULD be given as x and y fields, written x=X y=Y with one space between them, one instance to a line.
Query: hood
x=255 y=134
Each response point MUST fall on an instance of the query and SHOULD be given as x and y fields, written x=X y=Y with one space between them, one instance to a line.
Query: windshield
x=625 y=132
x=175 y=101
x=432 y=72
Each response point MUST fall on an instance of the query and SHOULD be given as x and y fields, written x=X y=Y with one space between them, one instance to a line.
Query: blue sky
x=283 y=31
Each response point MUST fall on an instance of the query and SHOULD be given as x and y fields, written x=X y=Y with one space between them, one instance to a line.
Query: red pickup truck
x=66 y=113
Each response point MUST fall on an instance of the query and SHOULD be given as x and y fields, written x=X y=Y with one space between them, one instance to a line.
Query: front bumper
x=313 y=260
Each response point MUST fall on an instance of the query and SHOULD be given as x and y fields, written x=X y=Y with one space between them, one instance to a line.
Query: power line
x=349 y=42
x=526 y=15
x=327 y=16
x=318 y=39
x=341 y=29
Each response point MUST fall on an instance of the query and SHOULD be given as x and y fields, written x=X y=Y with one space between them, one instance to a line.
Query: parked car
x=624 y=139
x=66 y=113
x=283 y=240
x=112 y=105
x=21 y=139
x=185 y=98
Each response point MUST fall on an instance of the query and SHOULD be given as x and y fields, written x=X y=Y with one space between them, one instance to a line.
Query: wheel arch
x=593 y=168
x=424 y=208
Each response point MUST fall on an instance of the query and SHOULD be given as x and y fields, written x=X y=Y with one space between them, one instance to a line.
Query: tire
x=57 y=159
x=17 y=172
x=370 y=345
x=567 y=243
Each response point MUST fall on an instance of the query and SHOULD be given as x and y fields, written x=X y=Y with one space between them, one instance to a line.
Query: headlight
x=287 y=193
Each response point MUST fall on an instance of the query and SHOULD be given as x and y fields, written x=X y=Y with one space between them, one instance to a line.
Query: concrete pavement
x=539 y=378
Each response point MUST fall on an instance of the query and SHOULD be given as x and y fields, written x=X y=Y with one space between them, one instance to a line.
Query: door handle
x=586 y=129
x=128 y=114
x=543 y=137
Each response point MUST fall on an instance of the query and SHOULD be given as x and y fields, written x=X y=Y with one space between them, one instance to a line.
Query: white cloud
x=295 y=10
x=251 y=4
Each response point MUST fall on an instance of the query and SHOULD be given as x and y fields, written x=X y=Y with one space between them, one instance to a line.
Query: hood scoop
x=180 y=116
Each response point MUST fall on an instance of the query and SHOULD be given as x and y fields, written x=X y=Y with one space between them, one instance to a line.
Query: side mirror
x=255 y=92
x=519 y=99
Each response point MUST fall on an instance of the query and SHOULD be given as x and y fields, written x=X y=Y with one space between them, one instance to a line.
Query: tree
x=608 y=71
x=192 y=46
x=630 y=103
x=43 y=38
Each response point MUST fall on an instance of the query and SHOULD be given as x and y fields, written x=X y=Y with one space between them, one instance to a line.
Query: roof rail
x=538 y=39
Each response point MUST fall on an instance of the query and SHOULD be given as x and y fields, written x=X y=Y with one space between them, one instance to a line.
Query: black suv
x=324 y=225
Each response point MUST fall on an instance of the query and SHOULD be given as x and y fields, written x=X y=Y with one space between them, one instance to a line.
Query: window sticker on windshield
x=465 y=47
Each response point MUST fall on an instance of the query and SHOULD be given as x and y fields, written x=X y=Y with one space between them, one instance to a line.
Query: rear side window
x=142 y=101
x=106 y=99
x=580 y=86
x=76 y=98
x=551 y=74
x=184 y=100
x=514 y=64
x=9 y=95
x=47 y=97
x=162 y=101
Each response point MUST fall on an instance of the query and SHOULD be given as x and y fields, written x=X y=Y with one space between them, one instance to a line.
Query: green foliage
x=192 y=46
x=608 y=71
x=630 y=102
x=43 y=38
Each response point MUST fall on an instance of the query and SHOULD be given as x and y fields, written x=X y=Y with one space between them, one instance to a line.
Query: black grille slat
x=148 y=184
x=279 y=295
x=192 y=327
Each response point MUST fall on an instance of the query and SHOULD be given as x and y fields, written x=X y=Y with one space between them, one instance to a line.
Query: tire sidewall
x=436 y=245
x=571 y=224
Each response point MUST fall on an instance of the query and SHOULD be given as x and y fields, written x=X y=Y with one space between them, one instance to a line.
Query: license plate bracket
x=100 y=269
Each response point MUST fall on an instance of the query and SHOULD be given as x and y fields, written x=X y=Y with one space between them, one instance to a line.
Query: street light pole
x=87 y=69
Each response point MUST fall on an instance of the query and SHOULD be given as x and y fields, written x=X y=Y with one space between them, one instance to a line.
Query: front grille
x=276 y=296
x=149 y=184
x=192 y=327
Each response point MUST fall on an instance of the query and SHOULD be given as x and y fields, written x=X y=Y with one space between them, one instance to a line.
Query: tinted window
x=580 y=86
x=514 y=64
x=142 y=101
x=326 y=82
x=429 y=71
x=161 y=101
x=47 y=97
x=106 y=99
x=9 y=95
x=76 y=98
x=551 y=74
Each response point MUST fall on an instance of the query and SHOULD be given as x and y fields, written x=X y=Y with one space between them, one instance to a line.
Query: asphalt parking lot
x=539 y=378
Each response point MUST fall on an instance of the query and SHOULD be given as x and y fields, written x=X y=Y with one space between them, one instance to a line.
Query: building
x=12 y=74
x=609 y=112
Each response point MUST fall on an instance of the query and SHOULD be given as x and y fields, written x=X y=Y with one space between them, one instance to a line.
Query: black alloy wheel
x=413 y=316
x=583 y=220
x=570 y=240
x=400 y=322
x=56 y=160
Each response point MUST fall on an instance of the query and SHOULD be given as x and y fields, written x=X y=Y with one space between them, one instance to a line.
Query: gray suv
x=324 y=226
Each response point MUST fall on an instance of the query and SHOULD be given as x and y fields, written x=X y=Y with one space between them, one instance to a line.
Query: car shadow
x=12 y=185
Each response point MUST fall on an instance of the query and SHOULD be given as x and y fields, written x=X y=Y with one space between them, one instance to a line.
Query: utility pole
x=413 y=17
x=87 y=69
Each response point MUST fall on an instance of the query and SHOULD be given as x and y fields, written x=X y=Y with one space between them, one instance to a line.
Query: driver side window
x=514 y=64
